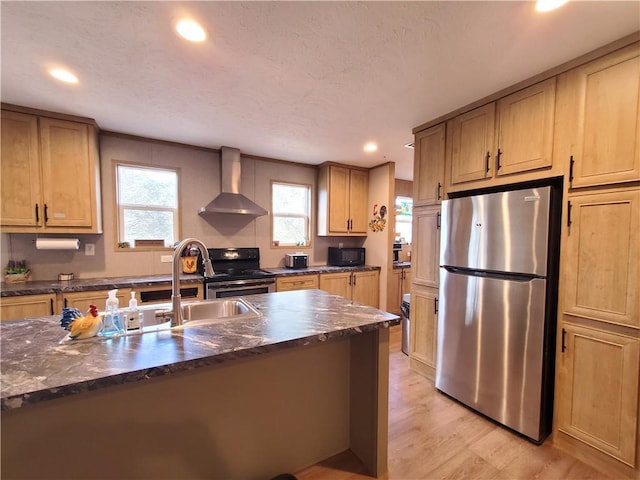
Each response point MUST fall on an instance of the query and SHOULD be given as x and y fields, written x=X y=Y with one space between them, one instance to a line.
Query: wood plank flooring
x=433 y=437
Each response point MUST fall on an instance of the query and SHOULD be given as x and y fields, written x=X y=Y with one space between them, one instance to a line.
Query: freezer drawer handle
x=564 y=335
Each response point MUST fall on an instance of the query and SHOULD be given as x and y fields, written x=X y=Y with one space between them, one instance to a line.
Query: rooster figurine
x=80 y=326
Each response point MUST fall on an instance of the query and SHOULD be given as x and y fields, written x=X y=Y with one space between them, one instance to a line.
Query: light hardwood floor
x=433 y=437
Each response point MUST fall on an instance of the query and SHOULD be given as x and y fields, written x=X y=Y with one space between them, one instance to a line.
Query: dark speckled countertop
x=37 y=366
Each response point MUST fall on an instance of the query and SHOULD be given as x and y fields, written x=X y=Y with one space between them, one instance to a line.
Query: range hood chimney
x=231 y=200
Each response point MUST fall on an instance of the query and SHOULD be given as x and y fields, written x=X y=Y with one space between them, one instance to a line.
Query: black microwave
x=343 y=257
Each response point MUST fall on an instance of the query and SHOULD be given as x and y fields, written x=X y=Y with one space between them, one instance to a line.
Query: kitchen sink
x=199 y=313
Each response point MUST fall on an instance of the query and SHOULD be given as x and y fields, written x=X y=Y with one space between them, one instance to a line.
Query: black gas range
x=237 y=272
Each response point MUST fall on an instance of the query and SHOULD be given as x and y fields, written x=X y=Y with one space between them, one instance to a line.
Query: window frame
x=119 y=212
x=308 y=218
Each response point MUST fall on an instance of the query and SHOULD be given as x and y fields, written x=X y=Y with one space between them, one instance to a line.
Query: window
x=290 y=212
x=404 y=217
x=147 y=203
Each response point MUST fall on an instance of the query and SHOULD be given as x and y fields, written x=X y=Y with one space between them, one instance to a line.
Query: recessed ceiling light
x=191 y=30
x=63 y=75
x=548 y=5
x=370 y=147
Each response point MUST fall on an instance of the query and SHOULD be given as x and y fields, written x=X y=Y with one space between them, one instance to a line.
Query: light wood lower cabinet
x=162 y=293
x=27 y=306
x=399 y=284
x=598 y=390
x=297 y=282
x=423 y=335
x=362 y=287
x=82 y=300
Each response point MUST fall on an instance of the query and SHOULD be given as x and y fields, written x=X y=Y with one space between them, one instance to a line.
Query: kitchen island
x=236 y=399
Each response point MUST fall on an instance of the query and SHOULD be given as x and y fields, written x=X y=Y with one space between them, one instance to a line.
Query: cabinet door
x=605 y=119
x=424 y=326
x=601 y=265
x=428 y=166
x=358 y=201
x=426 y=246
x=20 y=171
x=472 y=139
x=82 y=300
x=394 y=294
x=525 y=129
x=366 y=288
x=336 y=283
x=338 y=199
x=597 y=395
x=68 y=173
x=297 y=282
x=27 y=306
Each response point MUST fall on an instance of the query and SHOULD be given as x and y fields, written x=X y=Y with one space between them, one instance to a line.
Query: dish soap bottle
x=134 y=322
x=112 y=322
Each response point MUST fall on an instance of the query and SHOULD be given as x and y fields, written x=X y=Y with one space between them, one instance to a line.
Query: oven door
x=238 y=288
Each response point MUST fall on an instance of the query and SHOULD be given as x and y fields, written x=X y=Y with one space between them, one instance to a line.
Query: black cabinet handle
x=438 y=194
x=438 y=220
x=564 y=336
x=487 y=162
x=65 y=303
x=435 y=306
x=37 y=214
x=571 y=162
x=568 y=213
x=498 y=165
x=51 y=306
x=46 y=213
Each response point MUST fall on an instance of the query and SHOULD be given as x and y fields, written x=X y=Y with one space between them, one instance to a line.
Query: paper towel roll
x=57 y=244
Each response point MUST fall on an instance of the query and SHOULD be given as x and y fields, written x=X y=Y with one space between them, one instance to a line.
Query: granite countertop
x=88 y=284
x=37 y=366
x=288 y=272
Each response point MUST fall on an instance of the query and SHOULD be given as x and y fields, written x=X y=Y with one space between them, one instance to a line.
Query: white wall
x=200 y=183
x=378 y=244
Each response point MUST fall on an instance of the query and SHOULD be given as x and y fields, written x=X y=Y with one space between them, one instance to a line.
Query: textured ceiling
x=300 y=81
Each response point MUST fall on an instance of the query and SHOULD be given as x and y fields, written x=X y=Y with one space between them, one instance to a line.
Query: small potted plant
x=16 y=271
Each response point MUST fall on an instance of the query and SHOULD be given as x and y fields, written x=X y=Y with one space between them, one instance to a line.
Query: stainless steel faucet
x=175 y=275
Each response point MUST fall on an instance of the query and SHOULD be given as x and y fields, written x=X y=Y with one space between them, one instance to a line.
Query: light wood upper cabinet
x=471 y=145
x=598 y=128
x=50 y=175
x=511 y=136
x=428 y=166
x=598 y=390
x=27 y=306
x=20 y=169
x=601 y=262
x=425 y=255
x=525 y=129
x=342 y=201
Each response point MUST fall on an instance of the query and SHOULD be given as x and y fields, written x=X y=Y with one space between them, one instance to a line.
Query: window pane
x=147 y=186
x=148 y=225
x=289 y=230
x=290 y=199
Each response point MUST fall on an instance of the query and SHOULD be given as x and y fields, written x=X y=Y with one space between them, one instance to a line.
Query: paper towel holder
x=57 y=243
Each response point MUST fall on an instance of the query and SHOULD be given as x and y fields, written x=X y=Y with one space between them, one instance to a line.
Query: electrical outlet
x=166 y=258
x=90 y=249
x=340 y=244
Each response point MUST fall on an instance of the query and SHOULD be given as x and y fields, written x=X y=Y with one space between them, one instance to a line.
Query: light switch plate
x=165 y=258
x=90 y=249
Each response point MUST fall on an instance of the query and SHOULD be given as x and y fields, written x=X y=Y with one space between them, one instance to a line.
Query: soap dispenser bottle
x=134 y=322
x=112 y=322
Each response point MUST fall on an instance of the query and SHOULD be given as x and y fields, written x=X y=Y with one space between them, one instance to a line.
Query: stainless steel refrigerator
x=497 y=304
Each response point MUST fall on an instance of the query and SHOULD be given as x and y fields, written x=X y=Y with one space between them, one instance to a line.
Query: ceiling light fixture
x=548 y=5
x=63 y=75
x=370 y=147
x=191 y=30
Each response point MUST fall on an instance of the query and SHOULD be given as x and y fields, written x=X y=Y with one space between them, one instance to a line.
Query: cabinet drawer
x=298 y=282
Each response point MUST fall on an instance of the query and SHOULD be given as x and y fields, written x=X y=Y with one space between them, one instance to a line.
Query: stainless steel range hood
x=230 y=199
